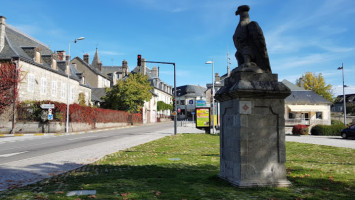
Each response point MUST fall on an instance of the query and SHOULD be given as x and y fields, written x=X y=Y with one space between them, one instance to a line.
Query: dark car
x=348 y=132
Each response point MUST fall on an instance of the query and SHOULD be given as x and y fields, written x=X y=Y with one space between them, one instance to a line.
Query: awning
x=308 y=108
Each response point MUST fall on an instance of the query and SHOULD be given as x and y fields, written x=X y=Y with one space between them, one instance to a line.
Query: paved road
x=28 y=159
x=335 y=141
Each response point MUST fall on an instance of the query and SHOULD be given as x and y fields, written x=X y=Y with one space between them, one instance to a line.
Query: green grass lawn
x=186 y=167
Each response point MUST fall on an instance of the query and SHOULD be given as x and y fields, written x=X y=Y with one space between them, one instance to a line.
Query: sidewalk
x=335 y=141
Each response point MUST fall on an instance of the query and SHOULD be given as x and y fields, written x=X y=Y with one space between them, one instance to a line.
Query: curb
x=73 y=133
x=59 y=134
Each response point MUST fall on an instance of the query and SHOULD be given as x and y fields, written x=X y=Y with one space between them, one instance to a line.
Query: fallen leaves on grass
x=331 y=179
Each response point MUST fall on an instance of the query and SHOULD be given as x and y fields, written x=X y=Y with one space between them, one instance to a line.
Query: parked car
x=348 y=132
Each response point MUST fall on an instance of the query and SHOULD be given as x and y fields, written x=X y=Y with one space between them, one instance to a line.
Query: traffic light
x=139 y=60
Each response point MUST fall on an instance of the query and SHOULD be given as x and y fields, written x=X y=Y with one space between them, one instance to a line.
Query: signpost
x=47 y=106
x=200 y=103
x=50 y=116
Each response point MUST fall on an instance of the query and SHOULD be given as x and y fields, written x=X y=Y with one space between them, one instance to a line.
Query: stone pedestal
x=252 y=142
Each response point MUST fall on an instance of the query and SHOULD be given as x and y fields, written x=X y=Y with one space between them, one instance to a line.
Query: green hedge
x=332 y=130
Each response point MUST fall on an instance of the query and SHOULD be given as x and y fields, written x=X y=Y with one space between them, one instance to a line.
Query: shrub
x=32 y=111
x=300 y=129
x=329 y=130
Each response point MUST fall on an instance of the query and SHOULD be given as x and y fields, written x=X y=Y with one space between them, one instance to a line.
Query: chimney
x=124 y=67
x=143 y=67
x=301 y=81
x=86 y=58
x=155 y=71
x=217 y=78
x=2 y=32
x=61 y=55
x=100 y=66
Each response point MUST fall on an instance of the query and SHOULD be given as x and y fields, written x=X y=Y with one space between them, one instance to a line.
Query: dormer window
x=54 y=64
x=37 y=57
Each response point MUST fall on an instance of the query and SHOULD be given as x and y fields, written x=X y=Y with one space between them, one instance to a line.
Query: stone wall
x=54 y=127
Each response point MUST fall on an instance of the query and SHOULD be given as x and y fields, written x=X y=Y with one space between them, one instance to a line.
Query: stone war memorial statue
x=252 y=141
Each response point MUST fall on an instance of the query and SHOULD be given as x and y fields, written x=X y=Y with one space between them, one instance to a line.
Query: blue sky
x=301 y=35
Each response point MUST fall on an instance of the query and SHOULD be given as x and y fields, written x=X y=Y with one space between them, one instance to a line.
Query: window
x=319 y=115
x=64 y=89
x=54 y=88
x=291 y=115
x=30 y=82
x=182 y=102
x=43 y=85
x=72 y=93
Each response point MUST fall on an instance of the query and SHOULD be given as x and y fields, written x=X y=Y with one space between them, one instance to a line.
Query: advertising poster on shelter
x=202 y=117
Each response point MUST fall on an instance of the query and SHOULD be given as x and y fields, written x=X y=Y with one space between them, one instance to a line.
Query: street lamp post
x=212 y=94
x=68 y=83
x=344 y=100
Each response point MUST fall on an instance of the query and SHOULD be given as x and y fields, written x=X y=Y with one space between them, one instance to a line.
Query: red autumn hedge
x=300 y=129
x=31 y=111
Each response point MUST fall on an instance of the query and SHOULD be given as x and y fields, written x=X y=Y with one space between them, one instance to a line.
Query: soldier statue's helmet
x=243 y=8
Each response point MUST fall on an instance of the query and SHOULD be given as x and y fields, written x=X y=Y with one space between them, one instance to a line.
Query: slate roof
x=191 y=90
x=151 y=78
x=16 y=42
x=90 y=67
x=302 y=96
x=350 y=98
x=97 y=93
x=111 y=69
x=292 y=86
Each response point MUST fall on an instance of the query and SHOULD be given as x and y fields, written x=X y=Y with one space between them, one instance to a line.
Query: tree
x=9 y=78
x=316 y=83
x=129 y=94
x=81 y=99
x=161 y=105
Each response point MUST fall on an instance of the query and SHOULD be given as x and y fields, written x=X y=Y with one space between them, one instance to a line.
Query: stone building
x=161 y=92
x=92 y=73
x=44 y=73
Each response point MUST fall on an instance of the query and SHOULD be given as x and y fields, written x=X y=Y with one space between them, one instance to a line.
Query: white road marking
x=12 y=154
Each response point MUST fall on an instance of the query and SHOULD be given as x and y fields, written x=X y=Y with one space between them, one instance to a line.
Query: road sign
x=192 y=113
x=49 y=110
x=50 y=116
x=174 y=113
x=47 y=106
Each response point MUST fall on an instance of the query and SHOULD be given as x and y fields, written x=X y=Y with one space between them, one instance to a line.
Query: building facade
x=161 y=92
x=186 y=100
x=44 y=73
x=305 y=107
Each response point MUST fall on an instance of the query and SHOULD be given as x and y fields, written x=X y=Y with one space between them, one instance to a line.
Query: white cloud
x=338 y=90
x=110 y=53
